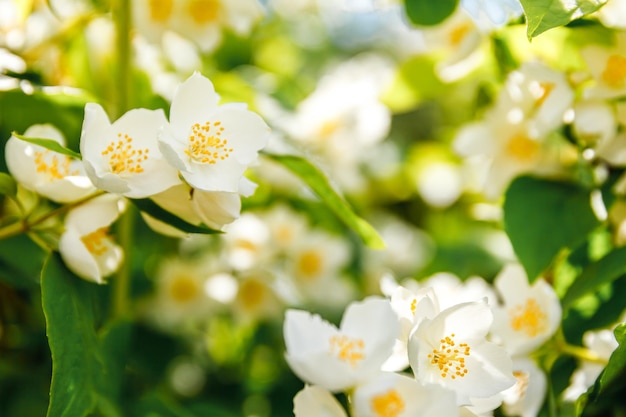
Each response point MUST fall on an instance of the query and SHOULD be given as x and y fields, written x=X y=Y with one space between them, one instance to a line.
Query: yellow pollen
x=529 y=318
x=389 y=404
x=55 y=166
x=309 y=264
x=184 y=289
x=329 y=127
x=205 y=144
x=347 y=349
x=450 y=358
x=521 y=385
x=522 y=148
x=160 y=10
x=123 y=157
x=204 y=11
x=459 y=32
x=252 y=293
x=413 y=305
x=96 y=242
x=615 y=71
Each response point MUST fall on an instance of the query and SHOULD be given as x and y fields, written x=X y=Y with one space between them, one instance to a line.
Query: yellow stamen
x=347 y=349
x=309 y=264
x=522 y=148
x=96 y=242
x=205 y=144
x=450 y=358
x=459 y=32
x=160 y=10
x=615 y=71
x=55 y=166
x=205 y=11
x=184 y=288
x=123 y=157
x=528 y=318
x=389 y=404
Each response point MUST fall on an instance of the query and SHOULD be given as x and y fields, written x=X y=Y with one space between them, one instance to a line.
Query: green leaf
x=542 y=217
x=316 y=180
x=542 y=15
x=151 y=208
x=83 y=375
x=50 y=145
x=21 y=261
x=429 y=12
x=8 y=186
x=605 y=270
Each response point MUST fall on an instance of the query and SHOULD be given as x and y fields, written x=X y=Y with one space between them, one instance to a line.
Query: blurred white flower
x=53 y=175
x=493 y=13
x=340 y=358
x=452 y=350
x=397 y=395
x=256 y=299
x=606 y=65
x=450 y=290
x=247 y=242
x=530 y=314
x=315 y=401
x=86 y=246
x=202 y=21
x=123 y=157
x=526 y=397
x=613 y=14
x=210 y=144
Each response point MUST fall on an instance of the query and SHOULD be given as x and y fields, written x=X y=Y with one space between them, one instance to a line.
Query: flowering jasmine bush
x=312 y=208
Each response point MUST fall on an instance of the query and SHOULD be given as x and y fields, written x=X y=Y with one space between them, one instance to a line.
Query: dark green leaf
x=605 y=270
x=50 y=145
x=82 y=374
x=21 y=261
x=316 y=180
x=151 y=208
x=543 y=217
x=542 y=15
x=429 y=12
x=8 y=186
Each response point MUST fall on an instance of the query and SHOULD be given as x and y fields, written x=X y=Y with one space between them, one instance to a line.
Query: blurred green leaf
x=151 y=208
x=318 y=182
x=542 y=217
x=8 y=186
x=49 y=144
x=21 y=261
x=606 y=270
x=84 y=376
x=429 y=12
x=542 y=15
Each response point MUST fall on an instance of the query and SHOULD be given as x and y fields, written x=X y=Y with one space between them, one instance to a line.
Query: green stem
x=121 y=283
x=583 y=354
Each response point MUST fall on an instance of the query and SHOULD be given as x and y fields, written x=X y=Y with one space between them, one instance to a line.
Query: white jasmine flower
x=86 y=246
x=530 y=314
x=247 y=242
x=55 y=176
x=450 y=290
x=123 y=157
x=391 y=394
x=256 y=299
x=606 y=65
x=315 y=401
x=526 y=397
x=451 y=350
x=341 y=358
x=210 y=144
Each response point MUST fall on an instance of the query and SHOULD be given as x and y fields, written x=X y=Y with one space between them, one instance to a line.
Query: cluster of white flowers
x=430 y=348
x=192 y=166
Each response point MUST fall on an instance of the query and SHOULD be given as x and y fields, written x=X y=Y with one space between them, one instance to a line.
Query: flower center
x=160 y=10
x=96 y=242
x=542 y=92
x=205 y=144
x=450 y=358
x=389 y=404
x=309 y=264
x=252 y=293
x=347 y=349
x=521 y=384
x=55 y=166
x=123 y=157
x=184 y=289
x=459 y=32
x=529 y=318
x=204 y=11
x=615 y=71
x=522 y=148
x=413 y=306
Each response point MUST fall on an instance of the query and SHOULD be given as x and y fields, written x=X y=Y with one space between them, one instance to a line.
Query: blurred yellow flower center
x=55 y=166
x=389 y=404
x=615 y=71
x=205 y=144
x=450 y=358
x=123 y=157
x=160 y=10
x=413 y=306
x=96 y=242
x=309 y=264
x=543 y=91
x=521 y=385
x=347 y=349
x=329 y=127
x=522 y=148
x=459 y=32
x=251 y=293
x=205 y=11
x=184 y=289
x=529 y=318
